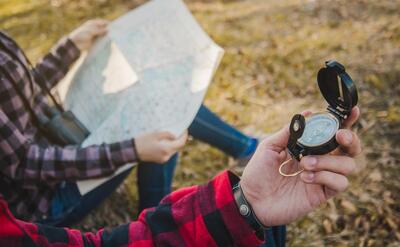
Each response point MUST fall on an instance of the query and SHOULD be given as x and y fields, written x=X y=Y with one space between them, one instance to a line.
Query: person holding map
x=38 y=177
x=209 y=215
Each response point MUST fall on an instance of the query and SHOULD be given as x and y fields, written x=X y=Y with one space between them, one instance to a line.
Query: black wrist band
x=247 y=211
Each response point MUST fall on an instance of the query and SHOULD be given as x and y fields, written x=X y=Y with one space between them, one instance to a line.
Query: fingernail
x=310 y=162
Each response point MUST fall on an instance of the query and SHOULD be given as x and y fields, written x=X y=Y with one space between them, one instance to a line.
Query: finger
x=98 y=30
x=165 y=135
x=352 y=119
x=179 y=142
x=99 y=22
x=103 y=22
x=101 y=31
x=333 y=181
x=306 y=113
x=95 y=31
x=349 y=143
x=337 y=164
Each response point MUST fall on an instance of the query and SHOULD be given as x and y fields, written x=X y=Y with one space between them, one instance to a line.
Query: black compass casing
x=319 y=133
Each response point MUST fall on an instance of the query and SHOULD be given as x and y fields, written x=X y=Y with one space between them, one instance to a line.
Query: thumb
x=279 y=140
x=165 y=135
x=179 y=142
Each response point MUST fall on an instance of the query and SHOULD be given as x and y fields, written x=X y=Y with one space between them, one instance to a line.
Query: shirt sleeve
x=195 y=216
x=54 y=66
x=28 y=162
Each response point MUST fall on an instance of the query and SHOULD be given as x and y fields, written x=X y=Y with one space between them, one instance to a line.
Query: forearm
x=195 y=216
x=53 y=66
x=72 y=163
x=29 y=162
x=204 y=215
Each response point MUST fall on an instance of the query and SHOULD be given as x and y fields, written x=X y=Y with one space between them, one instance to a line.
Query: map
x=150 y=73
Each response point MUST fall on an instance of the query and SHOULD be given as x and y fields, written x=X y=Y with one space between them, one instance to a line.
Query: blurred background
x=273 y=52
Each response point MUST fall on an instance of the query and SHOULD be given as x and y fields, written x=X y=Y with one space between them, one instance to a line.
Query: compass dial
x=320 y=128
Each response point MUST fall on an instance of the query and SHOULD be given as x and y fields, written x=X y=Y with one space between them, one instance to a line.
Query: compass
x=316 y=134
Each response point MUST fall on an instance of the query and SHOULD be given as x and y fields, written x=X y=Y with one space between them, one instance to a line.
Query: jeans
x=68 y=206
x=154 y=180
x=275 y=236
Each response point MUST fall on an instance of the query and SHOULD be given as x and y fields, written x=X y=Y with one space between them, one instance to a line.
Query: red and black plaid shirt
x=30 y=166
x=204 y=215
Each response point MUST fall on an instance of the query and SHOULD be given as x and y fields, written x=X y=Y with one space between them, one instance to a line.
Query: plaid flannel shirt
x=204 y=215
x=30 y=166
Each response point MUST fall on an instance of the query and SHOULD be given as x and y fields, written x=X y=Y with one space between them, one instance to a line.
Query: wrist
x=246 y=210
x=252 y=196
x=71 y=37
x=135 y=150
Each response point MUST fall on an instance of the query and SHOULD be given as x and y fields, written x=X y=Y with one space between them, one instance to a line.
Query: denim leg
x=154 y=182
x=210 y=129
x=275 y=237
x=69 y=206
x=67 y=196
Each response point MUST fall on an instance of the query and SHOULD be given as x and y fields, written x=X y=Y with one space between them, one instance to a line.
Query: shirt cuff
x=123 y=152
x=239 y=230
x=67 y=50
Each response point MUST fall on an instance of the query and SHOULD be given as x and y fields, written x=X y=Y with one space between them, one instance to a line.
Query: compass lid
x=337 y=87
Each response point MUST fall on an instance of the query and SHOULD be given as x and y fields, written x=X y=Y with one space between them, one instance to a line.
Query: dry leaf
x=375 y=176
x=348 y=206
x=391 y=223
x=327 y=226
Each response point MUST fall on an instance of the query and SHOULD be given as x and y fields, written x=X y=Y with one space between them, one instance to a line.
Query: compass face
x=320 y=128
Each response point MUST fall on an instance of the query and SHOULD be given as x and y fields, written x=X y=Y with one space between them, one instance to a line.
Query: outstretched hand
x=84 y=36
x=278 y=200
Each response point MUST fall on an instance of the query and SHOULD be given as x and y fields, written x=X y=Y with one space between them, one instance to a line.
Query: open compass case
x=338 y=89
x=316 y=134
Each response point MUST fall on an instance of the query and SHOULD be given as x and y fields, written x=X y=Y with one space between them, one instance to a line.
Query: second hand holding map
x=150 y=73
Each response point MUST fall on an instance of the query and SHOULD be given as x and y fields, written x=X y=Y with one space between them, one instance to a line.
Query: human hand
x=278 y=200
x=158 y=147
x=85 y=34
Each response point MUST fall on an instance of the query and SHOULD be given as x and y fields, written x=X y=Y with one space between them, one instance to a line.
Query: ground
x=273 y=52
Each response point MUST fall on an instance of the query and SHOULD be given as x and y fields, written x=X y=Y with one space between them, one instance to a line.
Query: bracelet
x=247 y=211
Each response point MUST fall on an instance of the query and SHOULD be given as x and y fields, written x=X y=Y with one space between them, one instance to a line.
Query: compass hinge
x=337 y=112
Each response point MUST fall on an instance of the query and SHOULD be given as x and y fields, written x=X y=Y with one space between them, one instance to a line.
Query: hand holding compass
x=277 y=200
x=322 y=145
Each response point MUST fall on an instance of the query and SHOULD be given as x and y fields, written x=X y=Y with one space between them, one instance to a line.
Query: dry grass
x=273 y=51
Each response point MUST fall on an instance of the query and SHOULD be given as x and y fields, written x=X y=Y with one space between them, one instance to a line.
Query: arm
x=56 y=64
x=53 y=67
x=28 y=162
x=196 y=216
x=25 y=161
x=208 y=215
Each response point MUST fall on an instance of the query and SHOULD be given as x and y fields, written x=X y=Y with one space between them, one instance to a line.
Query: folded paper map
x=150 y=73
